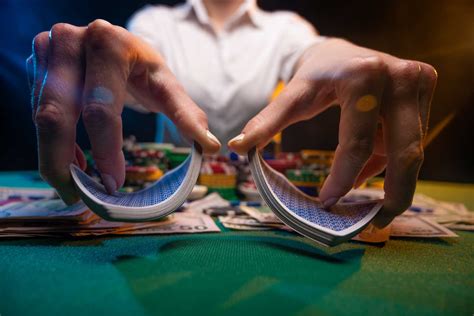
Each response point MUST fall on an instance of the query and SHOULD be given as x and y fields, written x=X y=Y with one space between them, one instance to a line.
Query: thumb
x=192 y=123
x=259 y=131
x=280 y=113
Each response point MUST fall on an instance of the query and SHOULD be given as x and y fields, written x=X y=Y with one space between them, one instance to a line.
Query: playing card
x=157 y=200
x=306 y=214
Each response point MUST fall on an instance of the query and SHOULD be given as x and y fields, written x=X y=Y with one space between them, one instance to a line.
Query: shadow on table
x=234 y=273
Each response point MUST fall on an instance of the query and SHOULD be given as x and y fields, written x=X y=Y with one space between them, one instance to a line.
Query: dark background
x=434 y=31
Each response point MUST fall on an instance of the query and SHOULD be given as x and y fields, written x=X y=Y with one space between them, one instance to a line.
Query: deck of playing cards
x=306 y=214
x=157 y=200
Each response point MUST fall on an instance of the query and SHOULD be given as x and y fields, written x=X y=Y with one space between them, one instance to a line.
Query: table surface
x=236 y=273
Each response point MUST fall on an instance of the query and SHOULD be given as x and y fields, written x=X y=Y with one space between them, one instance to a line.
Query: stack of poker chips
x=218 y=175
x=307 y=180
x=177 y=155
x=145 y=163
x=318 y=159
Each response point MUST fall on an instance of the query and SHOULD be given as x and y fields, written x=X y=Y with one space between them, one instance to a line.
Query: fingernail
x=212 y=137
x=236 y=139
x=109 y=183
x=330 y=202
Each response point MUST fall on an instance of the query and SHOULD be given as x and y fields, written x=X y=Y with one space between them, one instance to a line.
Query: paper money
x=418 y=226
x=243 y=220
x=450 y=214
x=7 y=193
x=52 y=218
x=245 y=227
x=263 y=214
x=211 y=200
x=181 y=223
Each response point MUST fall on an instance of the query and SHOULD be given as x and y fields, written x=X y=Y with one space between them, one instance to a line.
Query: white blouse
x=230 y=73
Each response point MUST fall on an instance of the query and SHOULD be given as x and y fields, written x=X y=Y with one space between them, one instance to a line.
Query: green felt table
x=237 y=273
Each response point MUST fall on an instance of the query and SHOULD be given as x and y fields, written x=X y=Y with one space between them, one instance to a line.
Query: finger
x=30 y=72
x=374 y=166
x=293 y=104
x=377 y=161
x=427 y=85
x=403 y=139
x=57 y=114
x=191 y=121
x=107 y=71
x=39 y=65
x=360 y=93
x=163 y=93
x=80 y=158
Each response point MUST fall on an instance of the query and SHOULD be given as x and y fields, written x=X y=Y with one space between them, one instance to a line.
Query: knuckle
x=359 y=149
x=429 y=74
x=373 y=66
x=260 y=127
x=406 y=77
x=412 y=156
x=64 y=40
x=41 y=43
x=362 y=72
x=61 y=30
x=49 y=118
x=96 y=115
x=408 y=70
x=100 y=35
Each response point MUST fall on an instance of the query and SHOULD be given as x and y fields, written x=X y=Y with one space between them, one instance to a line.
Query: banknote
x=418 y=226
x=263 y=214
x=245 y=227
x=52 y=218
x=14 y=210
x=211 y=200
x=180 y=223
x=10 y=193
x=249 y=221
x=453 y=215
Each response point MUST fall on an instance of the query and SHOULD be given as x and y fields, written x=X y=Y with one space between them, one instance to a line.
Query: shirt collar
x=249 y=8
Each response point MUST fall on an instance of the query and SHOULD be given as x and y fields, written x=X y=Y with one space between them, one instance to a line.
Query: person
x=210 y=65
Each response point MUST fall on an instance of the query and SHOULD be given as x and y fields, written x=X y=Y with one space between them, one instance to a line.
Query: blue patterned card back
x=338 y=218
x=156 y=193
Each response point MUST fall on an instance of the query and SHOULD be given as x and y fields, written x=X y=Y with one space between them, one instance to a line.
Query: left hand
x=385 y=103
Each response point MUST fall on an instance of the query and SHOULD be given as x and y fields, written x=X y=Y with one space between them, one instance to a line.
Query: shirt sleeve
x=298 y=35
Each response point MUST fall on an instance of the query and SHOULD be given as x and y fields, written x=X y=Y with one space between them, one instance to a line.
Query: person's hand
x=90 y=71
x=385 y=104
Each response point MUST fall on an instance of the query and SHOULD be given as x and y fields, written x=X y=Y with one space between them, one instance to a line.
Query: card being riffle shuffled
x=306 y=214
x=153 y=202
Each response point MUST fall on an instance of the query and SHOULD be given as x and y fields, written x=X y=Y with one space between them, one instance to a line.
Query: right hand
x=90 y=70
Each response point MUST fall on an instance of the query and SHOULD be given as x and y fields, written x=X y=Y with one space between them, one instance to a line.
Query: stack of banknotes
x=52 y=218
x=406 y=226
x=153 y=210
x=38 y=213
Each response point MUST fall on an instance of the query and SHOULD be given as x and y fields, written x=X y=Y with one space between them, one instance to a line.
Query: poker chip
x=151 y=173
x=320 y=157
